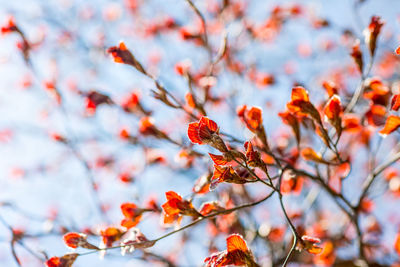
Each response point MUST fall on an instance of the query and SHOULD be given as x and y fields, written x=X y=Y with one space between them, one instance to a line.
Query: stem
x=203 y=22
x=292 y=249
x=360 y=87
x=371 y=178
x=227 y=211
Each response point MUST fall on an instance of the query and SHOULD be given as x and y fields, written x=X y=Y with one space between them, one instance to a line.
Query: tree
x=217 y=133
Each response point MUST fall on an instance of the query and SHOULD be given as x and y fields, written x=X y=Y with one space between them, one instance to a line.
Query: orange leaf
x=309 y=154
x=251 y=117
x=190 y=100
x=309 y=244
x=315 y=250
x=237 y=254
x=110 y=235
x=300 y=93
x=330 y=88
x=132 y=214
x=376 y=115
x=397 y=243
x=333 y=108
x=172 y=195
x=236 y=242
x=391 y=125
x=254 y=117
x=210 y=207
x=351 y=123
x=300 y=104
x=327 y=257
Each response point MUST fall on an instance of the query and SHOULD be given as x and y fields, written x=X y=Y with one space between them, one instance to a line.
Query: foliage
x=278 y=155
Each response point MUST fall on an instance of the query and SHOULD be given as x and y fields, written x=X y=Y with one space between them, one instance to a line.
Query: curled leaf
x=356 y=54
x=372 y=32
x=310 y=244
x=65 y=261
x=75 y=240
x=237 y=254
x=395 y=103
x=333 y=111
x=391 y=125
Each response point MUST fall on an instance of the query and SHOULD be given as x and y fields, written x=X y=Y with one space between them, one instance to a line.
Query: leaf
x=391 y=125
x=73 y=240
x=65 y=261
x=397 y=51
x=251 y=117
x=218 y=159
x=330 y=88
x=372 y=33
x=376 y=115
x=236 y=242
x=395 y=103
x=309 y=244
x=332 y=111
x=210 y=207
x=293 y=122
x=201 y=132
x=356 y=54
x=397 y=243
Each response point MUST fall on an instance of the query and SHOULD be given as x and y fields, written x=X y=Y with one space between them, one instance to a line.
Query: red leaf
x=218 y=159
x=397 y=51
x=372 y=32
x=333 y=108
x=395 y=104
x=202 y=131
x=73 y=240
x=65 y=261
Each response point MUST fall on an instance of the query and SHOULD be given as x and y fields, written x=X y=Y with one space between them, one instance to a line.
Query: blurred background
x=55 y=147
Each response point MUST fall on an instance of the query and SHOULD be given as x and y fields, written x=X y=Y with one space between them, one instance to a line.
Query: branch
x=372 y=176
x=204 y=25
x=188 y=225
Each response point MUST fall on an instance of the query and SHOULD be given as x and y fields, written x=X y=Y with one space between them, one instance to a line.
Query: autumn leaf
x=397 y=243
x=176 y=206
x=75 y=240
x=333 y=111
x=310 y=244
x=371 y=33
x=397 y=51
x=395 y=103
x=356 y=54
x=237 y=254
x=65 y=261
x=206 y=131
x=309 y=154
x=132 y=214
x=391 y=125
